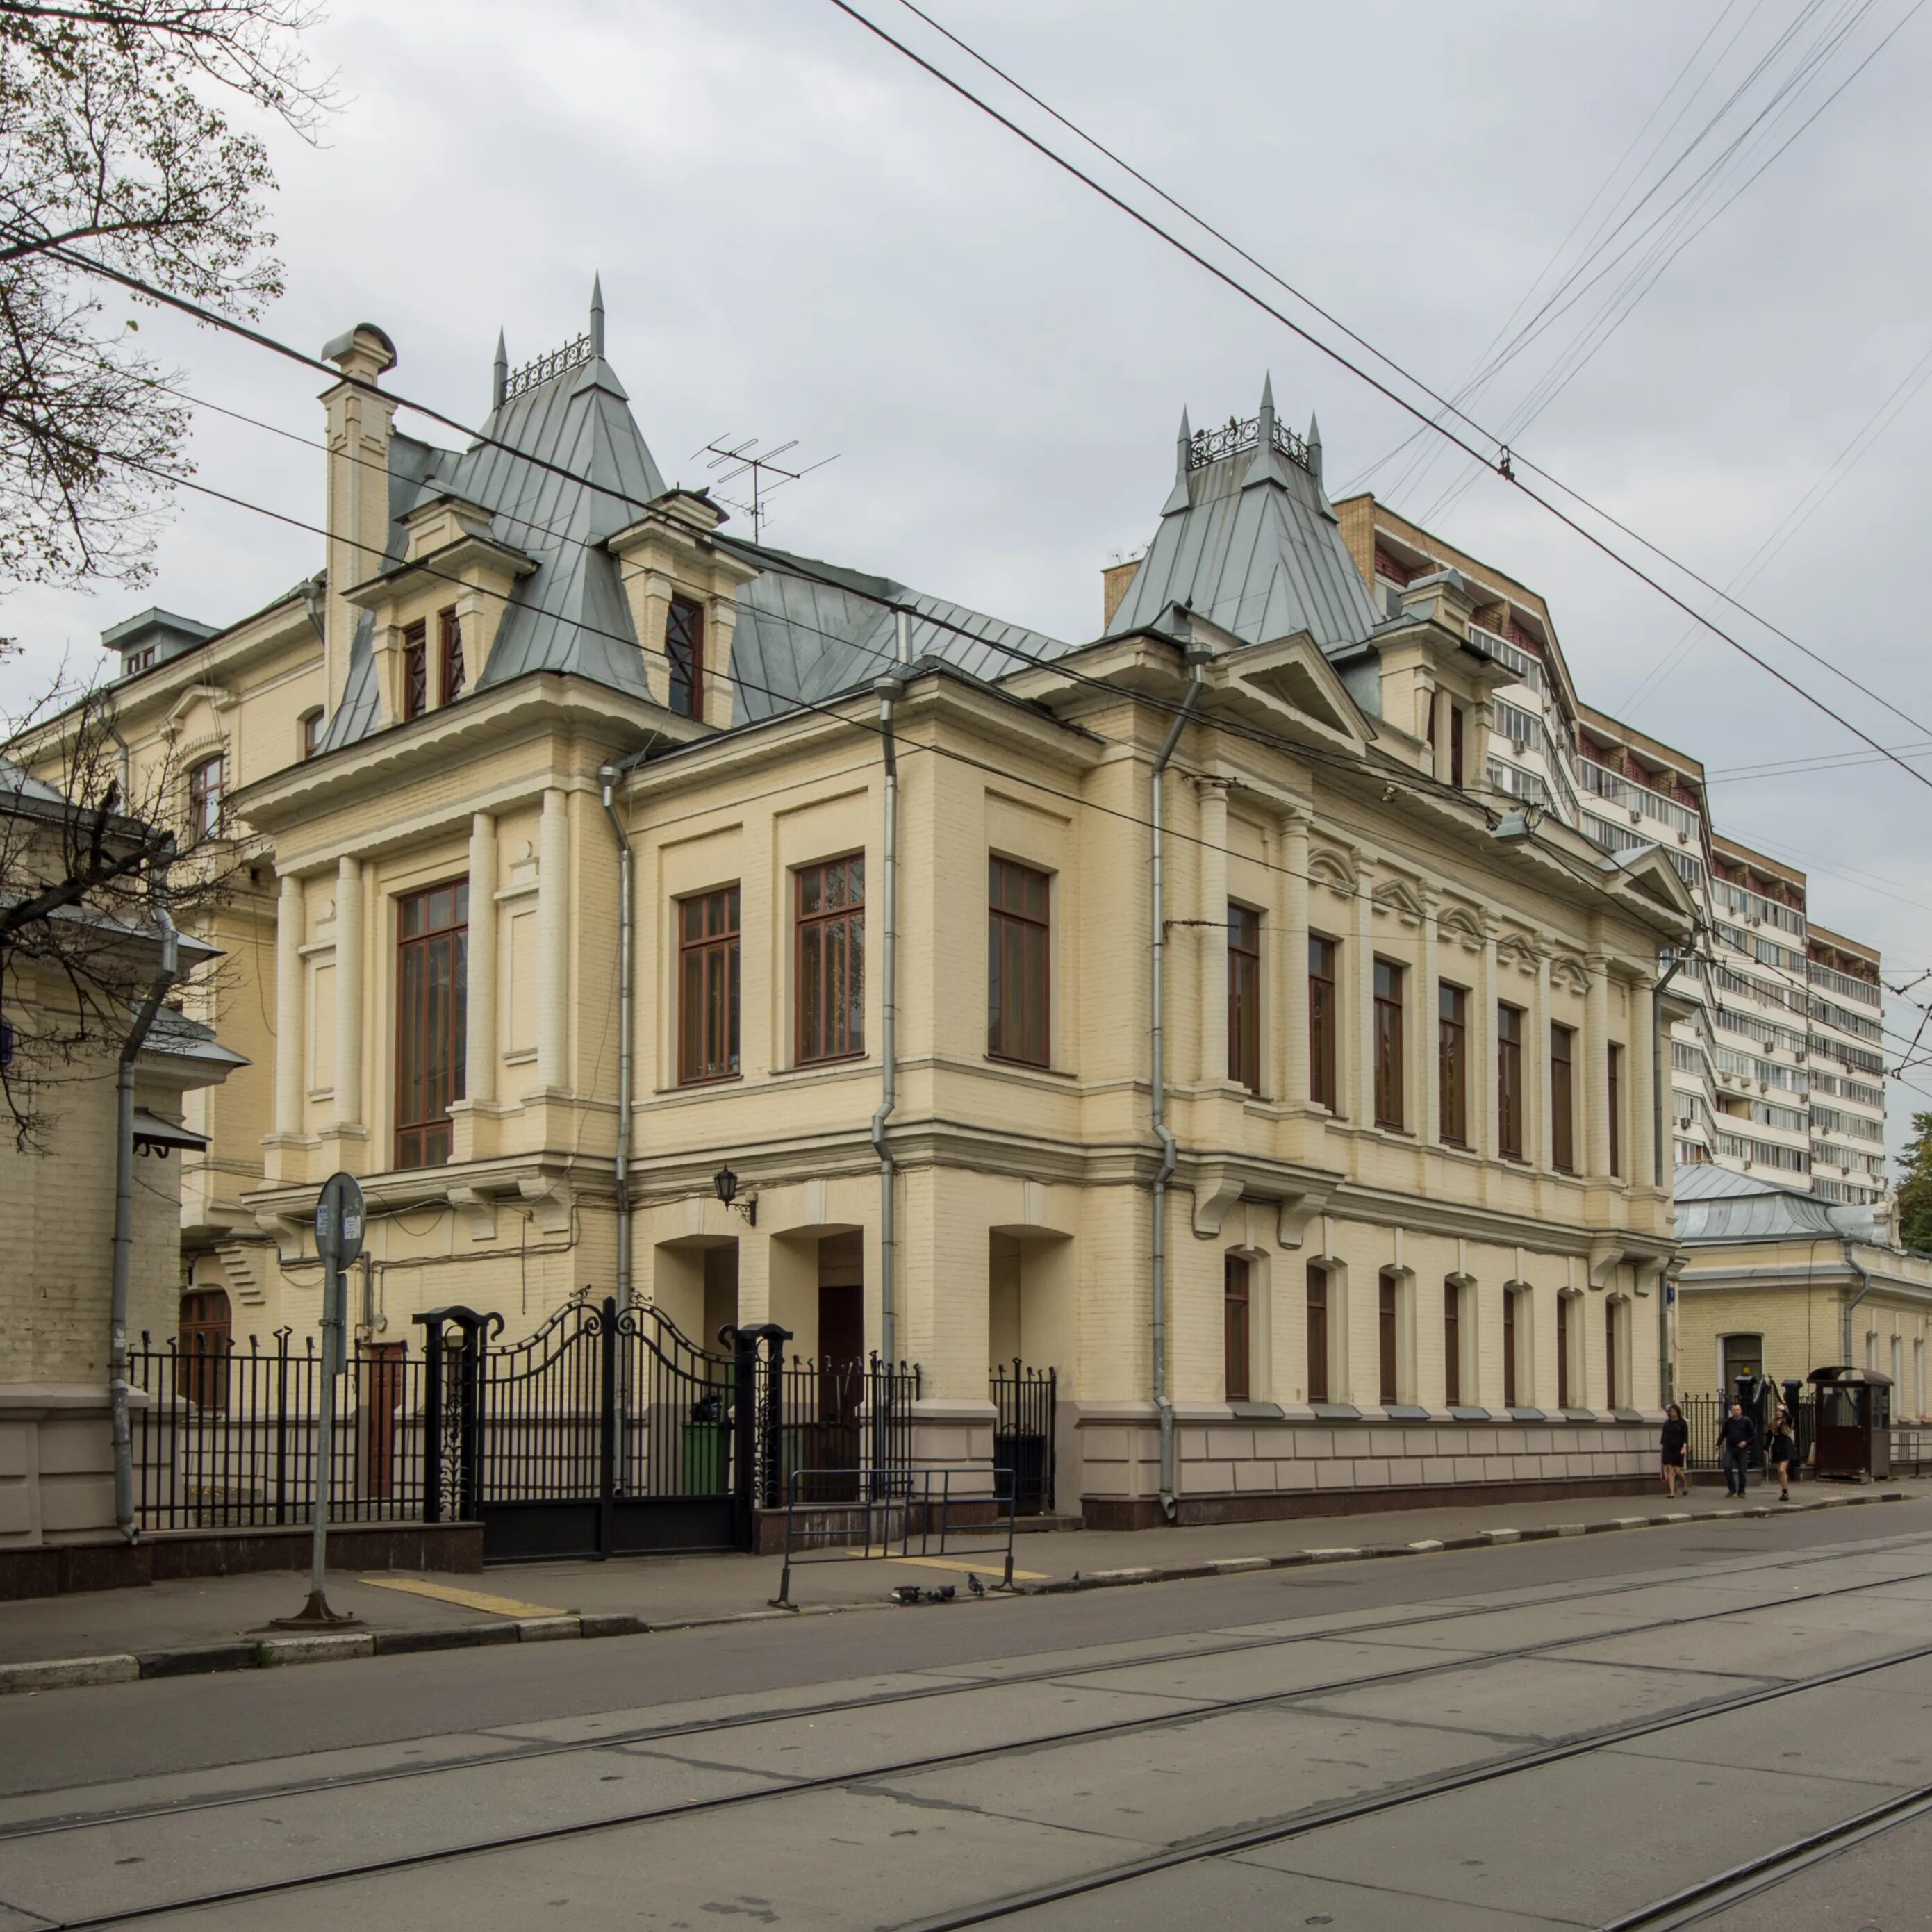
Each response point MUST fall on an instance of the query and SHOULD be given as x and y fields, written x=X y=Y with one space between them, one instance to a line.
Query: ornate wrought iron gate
x=607 y=1433
x=1026 y=1402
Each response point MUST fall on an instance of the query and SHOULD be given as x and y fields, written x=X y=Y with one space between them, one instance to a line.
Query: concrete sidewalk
x=213 y=1623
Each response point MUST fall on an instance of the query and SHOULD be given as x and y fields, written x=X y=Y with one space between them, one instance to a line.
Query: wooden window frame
x=313 y=723
x=1613 y=1076
x=1452 y=1054
x=451 y=675
x=204 y=1340
x=1564 y=1391
x=1318 y=1285
x=1512 y=1346
x=841 y=1032
x=424 y=1134
x=1244 y=996
x=684 y=656
x=1237 y=1334
x=208 y=802
x=1509 y=1108
x=1019 y=913
x=710 y=966
x=1613 y=1393
x=1388 y=1336
x=1390 y=1069
x=1458 y=724
x=1452 y=1342
x=1563 y=1098
x=1323 y=1029
x=416 y=670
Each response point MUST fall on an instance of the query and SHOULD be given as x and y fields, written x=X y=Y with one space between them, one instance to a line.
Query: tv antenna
x=737 y=460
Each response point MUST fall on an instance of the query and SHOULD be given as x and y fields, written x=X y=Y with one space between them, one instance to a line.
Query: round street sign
x=338 y=1220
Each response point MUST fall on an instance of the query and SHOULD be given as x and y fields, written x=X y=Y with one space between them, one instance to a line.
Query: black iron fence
x=606 y=1431
x=1705 y=1414
x=225 y=1438
x=1025 y=1403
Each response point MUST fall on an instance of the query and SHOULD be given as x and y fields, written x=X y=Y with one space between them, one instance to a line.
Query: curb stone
x=280 y=1652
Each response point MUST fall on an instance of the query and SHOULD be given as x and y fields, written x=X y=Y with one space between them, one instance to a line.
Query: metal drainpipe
x=609 y=775
x=1197 y=660
x=1657 y=1090
x=1858 y=1267
x=124 y=1213
x=889 y=690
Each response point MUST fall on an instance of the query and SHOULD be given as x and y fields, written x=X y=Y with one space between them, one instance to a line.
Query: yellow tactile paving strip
x=470 y=1599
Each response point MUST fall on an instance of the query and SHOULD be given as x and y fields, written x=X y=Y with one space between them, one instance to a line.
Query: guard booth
x=1852 y=1440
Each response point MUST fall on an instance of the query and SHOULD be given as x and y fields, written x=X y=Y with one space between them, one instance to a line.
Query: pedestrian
x=1736 y=1438
x=1783 y=1451
x=1676 y=1446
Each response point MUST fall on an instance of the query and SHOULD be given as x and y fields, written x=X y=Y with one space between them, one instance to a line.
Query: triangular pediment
x=1298 y=687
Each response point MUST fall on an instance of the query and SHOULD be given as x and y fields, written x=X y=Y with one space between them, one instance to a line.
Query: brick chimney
x=358 y=514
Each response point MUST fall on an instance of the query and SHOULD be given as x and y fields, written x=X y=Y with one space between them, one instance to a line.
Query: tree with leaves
x=117 y=152
x=1915 y=1186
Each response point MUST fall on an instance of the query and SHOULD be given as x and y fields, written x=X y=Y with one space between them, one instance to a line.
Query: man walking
x=1736 y=1439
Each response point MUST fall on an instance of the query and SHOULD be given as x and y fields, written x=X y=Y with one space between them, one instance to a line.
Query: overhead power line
x=1507 y=463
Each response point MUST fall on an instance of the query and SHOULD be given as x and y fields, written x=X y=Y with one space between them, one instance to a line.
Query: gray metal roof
x=796 y=641
x=1248 y=540
x=1716 y=1204
x=24 y=785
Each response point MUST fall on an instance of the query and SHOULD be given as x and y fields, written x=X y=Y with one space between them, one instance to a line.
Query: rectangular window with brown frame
x=1322 y=1027
x=432 y=1019
x=206 y=1338
x=1452 y=1054
x=1318 y=1332
x=1237 y=1336
x=450 y=676
x=684 y=647
x=207 y=789
x=707 y=986
x=1614 y=1074
x=1452 y=1344
x=830 y=975
x=1388 y=1044
x=1244 y=997
x=1613 y=1393
x=1018 y=964
x=1563 y=1350
x=1458 y=730
x=416 y=670
x=1509 y=1081
x=1511 y=1297
x=1563 y=1099
x=1388 y=1311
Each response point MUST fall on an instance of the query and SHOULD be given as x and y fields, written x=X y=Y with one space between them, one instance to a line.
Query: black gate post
x=608 y=1424
x=755 y=1399
x=433 y=1373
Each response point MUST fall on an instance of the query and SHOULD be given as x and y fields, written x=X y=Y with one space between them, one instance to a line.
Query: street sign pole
x=339 y=1214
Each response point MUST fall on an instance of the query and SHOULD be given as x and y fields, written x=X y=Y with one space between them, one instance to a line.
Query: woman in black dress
x=1782 y=1452
x=1676 y=1444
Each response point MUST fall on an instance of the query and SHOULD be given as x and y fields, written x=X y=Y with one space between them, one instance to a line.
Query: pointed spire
x=499 y=372
x=597 y=315
x=1314 y=446
x=1265 y=417
x=1183 y=457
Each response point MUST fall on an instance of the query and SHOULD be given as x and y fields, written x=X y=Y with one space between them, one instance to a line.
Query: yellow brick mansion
x=1183 y=1009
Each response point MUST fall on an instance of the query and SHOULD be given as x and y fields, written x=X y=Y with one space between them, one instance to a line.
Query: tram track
x=647 y=1734
x=1249 y=1837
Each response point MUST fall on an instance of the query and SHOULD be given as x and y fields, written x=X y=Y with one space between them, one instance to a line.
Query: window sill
x=1395 y=1127
x=1459 y=1415
x=1335 y=1411
x=704 y=1080
x=1527 y=1415
x=1258 y=1411
x=806 y=1067
x=1029 y=1066
x=1579 y=1415
x=1405 y=1412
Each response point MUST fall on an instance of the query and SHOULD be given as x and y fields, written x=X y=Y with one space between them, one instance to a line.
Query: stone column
x=1641 y=1078
x=1483 y=1051
x=289 y=1073
x=1291 y=1001
x=1427 y=1082
x=480 y=1068
x=1596 y=1070
x=1539 y=1124
x=1212 y=992
x=349 y=1040
x=1360 y=1075
x=554 y=941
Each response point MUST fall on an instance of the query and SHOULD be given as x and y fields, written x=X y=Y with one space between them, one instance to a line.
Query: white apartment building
x=1778 y=1070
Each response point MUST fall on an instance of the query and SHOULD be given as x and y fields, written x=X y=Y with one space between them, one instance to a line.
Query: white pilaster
x=553 y=940
x=288 y=1073
x=349 y=1036
x=480 y=1071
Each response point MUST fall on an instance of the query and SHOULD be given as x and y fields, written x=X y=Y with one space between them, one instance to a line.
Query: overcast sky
x=800 y=235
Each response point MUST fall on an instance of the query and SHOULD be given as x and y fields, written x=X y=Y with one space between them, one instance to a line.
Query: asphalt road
x=1560 y=1733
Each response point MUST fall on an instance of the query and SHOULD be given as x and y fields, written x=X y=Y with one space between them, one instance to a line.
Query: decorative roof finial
x=1314 y=446
x=1184 y=461
x=1265 y=425
x=499 y=372
x=597 y=315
